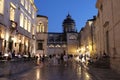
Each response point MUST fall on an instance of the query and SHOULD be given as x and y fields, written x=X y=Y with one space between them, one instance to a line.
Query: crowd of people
x=10 y=55
x=54 y=59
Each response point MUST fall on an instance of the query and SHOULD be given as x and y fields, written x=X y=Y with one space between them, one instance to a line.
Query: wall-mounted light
x=12 y=38
x=7 y=36
x=19 y=41
x=2 y=35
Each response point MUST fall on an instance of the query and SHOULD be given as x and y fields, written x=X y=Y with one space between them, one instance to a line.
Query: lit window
x=29 y=7
x=33 y=30
x=25 y=23
x=57 y=46
x=40 y=28
x=21 y=20
x=72 y=37
x=51 y=45
x=33 y=14
x=37 y=28
x=26 y=4
x=29 y=26
x=1 y=6
x=22 y=2
x=64 y=45
x=12 y=13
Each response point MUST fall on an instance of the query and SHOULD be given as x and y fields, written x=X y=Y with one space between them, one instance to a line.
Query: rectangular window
x=33 y=14
x=29 y=26
x=21 y=20
x=40 y=46
x=26 y=24
x=29 y=7
x=38 y=29
x=12 y=13
x=26 y=4
x=1 y=6
x=42 y=28
x=32 y=30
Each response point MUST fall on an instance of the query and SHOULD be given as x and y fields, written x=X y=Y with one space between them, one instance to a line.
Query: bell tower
x=68 y=24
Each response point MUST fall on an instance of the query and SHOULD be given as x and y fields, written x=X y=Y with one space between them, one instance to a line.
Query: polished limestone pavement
x=48 y=71
x=72 y=71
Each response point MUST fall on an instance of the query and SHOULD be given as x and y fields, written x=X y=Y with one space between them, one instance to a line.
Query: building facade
x=71 y=35
x=107 y=31
x=53 y=43
x=87 y=44
x=65 y=42
x=17 y=25
x=41 y=34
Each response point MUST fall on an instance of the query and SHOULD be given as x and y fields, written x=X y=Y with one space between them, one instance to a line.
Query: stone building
x=65 y=42
x=41 y=34
x=17 y=25
x=58 y=43
x=87 y=39
x=71 y=35
x=107 y=31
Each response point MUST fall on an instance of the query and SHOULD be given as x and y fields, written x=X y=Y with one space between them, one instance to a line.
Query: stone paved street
x=73 y=71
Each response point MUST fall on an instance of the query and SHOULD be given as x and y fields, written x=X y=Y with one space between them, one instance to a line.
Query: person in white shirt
x=65 y=58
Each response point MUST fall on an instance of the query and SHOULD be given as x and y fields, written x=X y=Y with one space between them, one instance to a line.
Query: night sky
x=57 y=10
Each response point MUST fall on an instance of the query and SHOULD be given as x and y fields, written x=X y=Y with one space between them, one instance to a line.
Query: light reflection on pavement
x=73 y=71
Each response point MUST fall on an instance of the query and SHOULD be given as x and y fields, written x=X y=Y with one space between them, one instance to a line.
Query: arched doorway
x=10 y=43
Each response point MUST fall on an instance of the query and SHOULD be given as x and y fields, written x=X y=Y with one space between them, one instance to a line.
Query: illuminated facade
x=17 y=25
x=56 y=43
x=66 y=42
x=41 y=34
x=87 y=39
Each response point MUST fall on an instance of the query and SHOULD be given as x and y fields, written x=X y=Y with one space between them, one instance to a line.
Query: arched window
x=57 y=45
x=72 y=37
x=40 y=27
x=51 y=45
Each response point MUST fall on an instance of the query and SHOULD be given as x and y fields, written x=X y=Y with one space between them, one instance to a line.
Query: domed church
x=58 y=43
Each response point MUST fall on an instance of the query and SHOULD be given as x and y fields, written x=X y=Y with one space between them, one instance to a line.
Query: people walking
x=65 y=58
